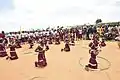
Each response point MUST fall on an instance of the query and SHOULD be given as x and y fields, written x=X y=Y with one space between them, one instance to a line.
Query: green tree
x=98 y=21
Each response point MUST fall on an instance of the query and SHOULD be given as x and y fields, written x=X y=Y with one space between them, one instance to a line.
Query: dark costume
x=67 y=47
x=93 y=52
x=41 y=57
x=30 y=42
x=3 y=52
x=92 y=62
x=50 y=40
x=13 y=55
x=72 y=41
x=102 y=43
x=57 y=40
x=47 y=47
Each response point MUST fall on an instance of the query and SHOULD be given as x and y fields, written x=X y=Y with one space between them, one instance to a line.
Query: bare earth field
x=63 y=65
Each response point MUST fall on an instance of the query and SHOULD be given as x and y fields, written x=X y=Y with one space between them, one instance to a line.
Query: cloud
x=41 y=14
x=117 y=4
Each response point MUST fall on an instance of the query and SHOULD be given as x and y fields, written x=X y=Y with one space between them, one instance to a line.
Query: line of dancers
x=44 y=40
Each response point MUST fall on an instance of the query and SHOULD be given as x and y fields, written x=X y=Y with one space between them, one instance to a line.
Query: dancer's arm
x=37 y=49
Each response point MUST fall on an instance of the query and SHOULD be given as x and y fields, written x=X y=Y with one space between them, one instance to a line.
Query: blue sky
x=6 y=5
x=43 y=13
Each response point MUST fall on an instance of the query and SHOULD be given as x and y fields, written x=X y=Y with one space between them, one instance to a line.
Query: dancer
x=67 y=47
x=57 y=40
x=13 y=54
x=92 y=61
x=3 y=52
x=94 y=51
x=41 y=57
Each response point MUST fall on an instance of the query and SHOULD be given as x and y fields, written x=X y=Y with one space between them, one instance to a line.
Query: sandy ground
x=63 y=65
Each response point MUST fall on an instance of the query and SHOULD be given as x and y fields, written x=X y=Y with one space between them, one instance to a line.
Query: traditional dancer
x=13 y=54
x=67 y=47
x=92 y=61
x=41 y=57
x=3 y=52
x=93 y=52
x=57 y=40
x=72 y=40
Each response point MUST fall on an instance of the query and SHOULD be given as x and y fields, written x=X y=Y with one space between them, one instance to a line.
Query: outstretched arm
x=36 y=50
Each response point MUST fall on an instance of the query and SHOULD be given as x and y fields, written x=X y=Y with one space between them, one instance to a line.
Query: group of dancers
x=44 y=40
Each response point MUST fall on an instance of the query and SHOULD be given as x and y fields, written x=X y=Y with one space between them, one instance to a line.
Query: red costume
x=95 y=37
x=93 y=52
x=13 y=55
x=92 y=61
x=95 y=43
x=67 y=47
x=3 y=52
x=2 y=35
x=41 y=57
x=102 y=43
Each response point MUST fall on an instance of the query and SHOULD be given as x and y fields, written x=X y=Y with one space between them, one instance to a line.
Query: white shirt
x=31 y=34
x=36 y=33
x=13 y=35
x=19 y=36
x=80 y=31
x=22 y=35
x=26 y=34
